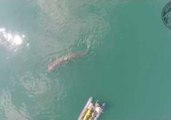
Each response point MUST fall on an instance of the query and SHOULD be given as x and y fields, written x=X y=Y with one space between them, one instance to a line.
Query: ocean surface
x=128 y=64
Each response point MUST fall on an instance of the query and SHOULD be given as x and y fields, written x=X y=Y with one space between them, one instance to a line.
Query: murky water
x=127 y=66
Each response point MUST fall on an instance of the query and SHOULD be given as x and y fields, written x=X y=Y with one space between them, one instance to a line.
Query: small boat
x=91 y=111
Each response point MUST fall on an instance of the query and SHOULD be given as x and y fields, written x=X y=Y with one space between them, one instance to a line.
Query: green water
x=128 y=65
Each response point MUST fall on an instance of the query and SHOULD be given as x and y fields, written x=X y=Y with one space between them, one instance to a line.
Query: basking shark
x=64 y=59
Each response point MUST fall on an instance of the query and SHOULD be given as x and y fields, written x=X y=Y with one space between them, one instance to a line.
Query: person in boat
x=90 y=111
x=88 y=114
x=90 y=107
x=98 y=108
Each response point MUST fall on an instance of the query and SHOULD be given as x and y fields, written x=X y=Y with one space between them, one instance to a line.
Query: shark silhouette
x=64 y=59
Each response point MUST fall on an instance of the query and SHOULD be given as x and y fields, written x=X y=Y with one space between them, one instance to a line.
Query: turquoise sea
x=128 y=65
